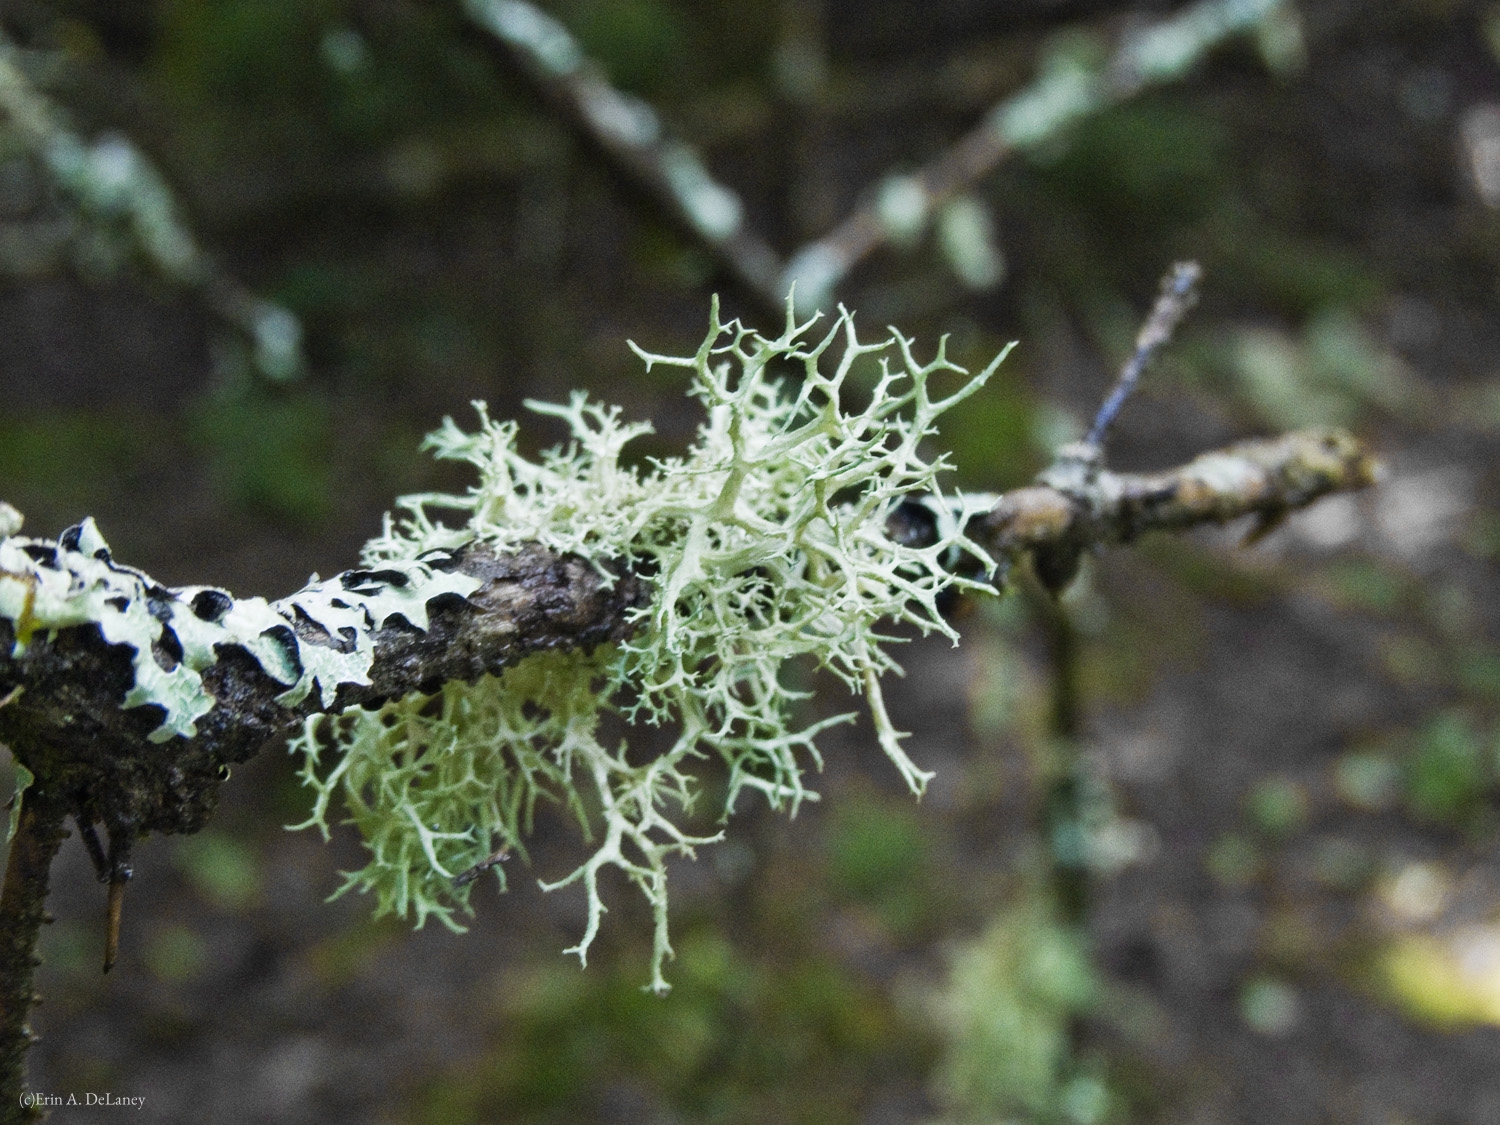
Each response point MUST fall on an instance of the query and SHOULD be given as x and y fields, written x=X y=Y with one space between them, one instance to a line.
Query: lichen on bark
x=767 y=542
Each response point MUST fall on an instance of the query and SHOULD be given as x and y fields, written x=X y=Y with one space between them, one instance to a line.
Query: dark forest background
x=1287 y=755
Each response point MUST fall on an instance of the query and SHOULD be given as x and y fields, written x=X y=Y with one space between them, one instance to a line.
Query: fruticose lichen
x=766 y=542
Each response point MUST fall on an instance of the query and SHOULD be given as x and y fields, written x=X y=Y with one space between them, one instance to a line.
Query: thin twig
x=1056 y=522
x=633 y=138
x=1179 y=292
x=120 y=873
x=90 y=838
x=111 y=183
x=495 y=858
x=1063 y=94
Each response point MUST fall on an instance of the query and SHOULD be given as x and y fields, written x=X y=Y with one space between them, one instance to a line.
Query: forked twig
x=634 y=140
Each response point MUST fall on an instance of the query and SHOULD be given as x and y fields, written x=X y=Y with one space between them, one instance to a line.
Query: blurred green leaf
x=1447 y=774
x=1279 y=806
x=175 y=953
x=269 y=452
x=224 y=869
x=877 y=855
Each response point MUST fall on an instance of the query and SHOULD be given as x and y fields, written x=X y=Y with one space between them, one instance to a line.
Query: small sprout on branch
x=495 y=858
x=120 y=873
x=113 y=869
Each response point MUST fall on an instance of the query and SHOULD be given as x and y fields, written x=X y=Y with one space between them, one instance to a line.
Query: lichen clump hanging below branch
x=766 y=542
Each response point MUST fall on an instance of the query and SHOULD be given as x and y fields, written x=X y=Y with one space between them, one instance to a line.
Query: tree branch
x=1068 y=90
x=64 y=691
x=22 y=910
x=69 y=726
x=1079 y=506
x=633 y=139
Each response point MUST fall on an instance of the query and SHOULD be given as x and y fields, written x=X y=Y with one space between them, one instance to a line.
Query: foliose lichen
x=174 y=633
x=766 y=542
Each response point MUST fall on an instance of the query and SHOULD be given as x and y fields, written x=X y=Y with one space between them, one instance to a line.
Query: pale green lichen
x=766 y=542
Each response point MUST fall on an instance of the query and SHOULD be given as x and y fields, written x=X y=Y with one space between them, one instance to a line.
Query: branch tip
x=1179 y=293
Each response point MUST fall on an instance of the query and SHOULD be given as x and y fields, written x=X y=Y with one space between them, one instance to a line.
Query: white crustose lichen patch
x=766 y=542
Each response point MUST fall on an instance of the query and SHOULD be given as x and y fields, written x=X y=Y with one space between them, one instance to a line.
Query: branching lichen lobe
x=767 y=542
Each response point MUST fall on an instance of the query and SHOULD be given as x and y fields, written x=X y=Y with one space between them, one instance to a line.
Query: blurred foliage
x=1234 y=860
x=61 y=466
x=175 y=953
x=1451 y=770
x=742 y=1039
x=1370 y=587
x=1007 y=1014
x=1156 y=157
x=878 y=856
x=1269 y=1006
x=1278 y=806
x=224 y=870
x=298 y=82
x=1449 y=981
x=1368 y=781
x=269 y=452
x=642 y=44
